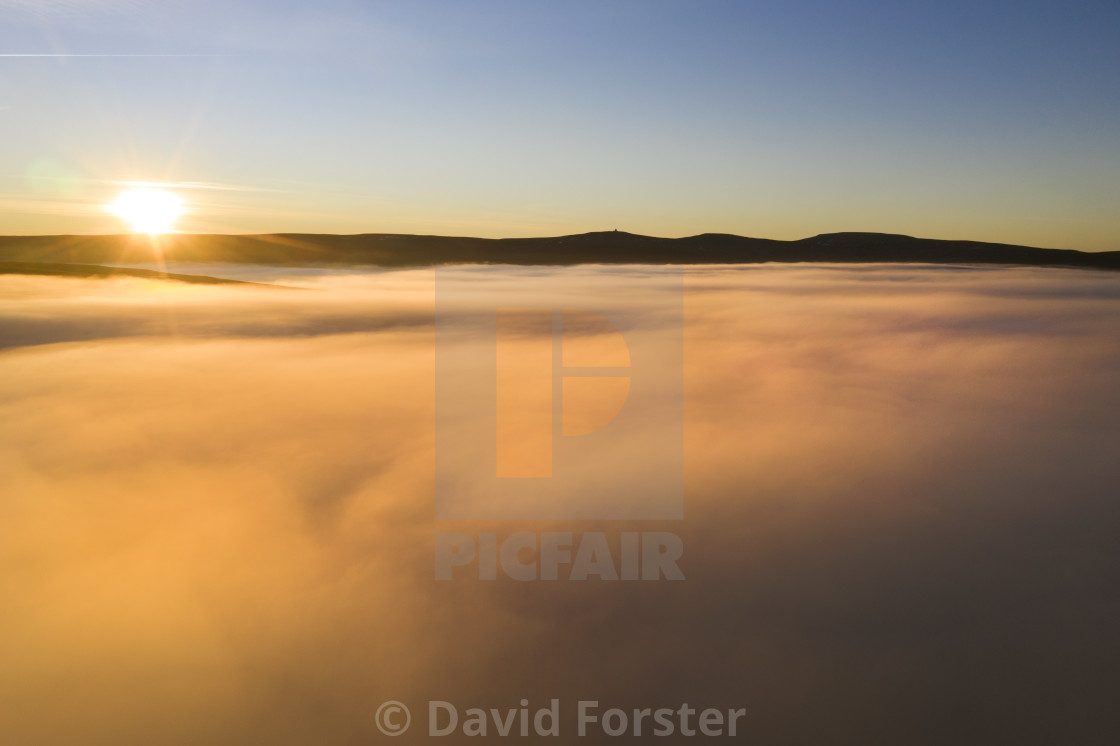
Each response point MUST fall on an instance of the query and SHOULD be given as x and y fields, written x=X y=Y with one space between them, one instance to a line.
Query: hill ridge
x=609 y=247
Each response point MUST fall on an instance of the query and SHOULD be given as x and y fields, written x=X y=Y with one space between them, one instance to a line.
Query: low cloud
x=217 y=513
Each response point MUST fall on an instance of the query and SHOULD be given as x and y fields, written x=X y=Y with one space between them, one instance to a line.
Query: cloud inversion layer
x=901 y=513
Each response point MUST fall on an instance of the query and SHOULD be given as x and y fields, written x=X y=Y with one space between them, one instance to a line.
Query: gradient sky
x=988 y=120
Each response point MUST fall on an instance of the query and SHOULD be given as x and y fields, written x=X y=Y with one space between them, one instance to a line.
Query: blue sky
x=988 y=120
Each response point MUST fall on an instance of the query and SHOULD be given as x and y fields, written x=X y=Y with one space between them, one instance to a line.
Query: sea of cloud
x=901 y=511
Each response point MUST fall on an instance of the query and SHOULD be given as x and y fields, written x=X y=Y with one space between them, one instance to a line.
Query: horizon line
x=558 y=236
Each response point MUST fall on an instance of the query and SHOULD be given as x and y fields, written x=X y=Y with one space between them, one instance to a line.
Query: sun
x=148 y=209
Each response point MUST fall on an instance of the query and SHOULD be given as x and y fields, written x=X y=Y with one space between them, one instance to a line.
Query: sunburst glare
x=148 y=209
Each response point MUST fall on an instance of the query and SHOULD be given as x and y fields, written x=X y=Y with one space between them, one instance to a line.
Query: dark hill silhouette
x=400 y=250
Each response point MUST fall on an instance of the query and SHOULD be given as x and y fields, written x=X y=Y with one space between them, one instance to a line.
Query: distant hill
x=397 y=250
x=58 y=269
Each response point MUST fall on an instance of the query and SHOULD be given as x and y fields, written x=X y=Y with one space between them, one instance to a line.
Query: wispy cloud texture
x=216 y=524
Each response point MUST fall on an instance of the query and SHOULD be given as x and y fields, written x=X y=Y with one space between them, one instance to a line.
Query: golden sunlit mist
x=148 y=209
